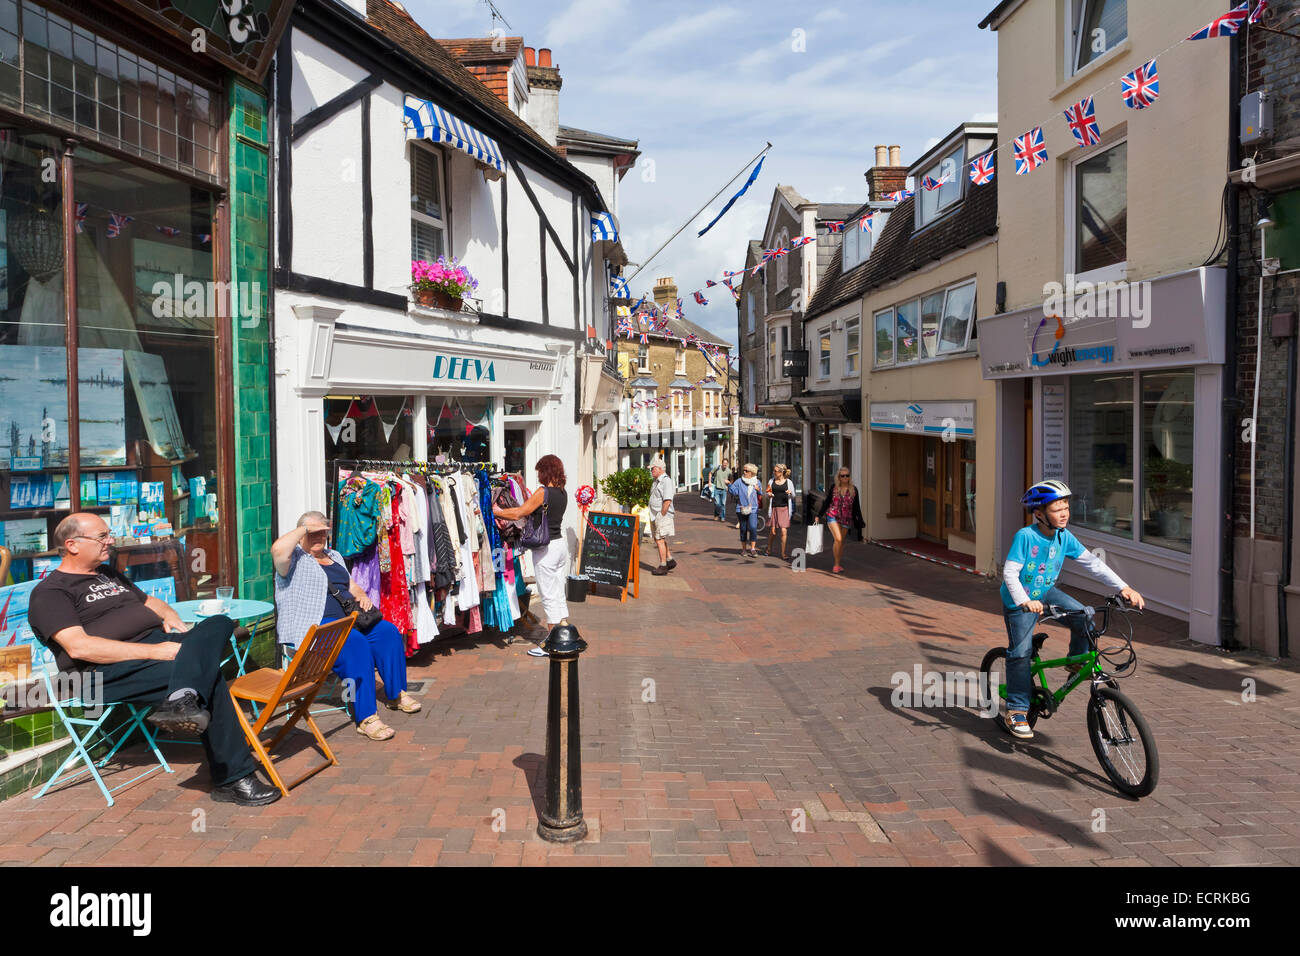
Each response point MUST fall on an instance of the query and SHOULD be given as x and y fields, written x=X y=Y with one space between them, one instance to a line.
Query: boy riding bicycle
x=1029 y=582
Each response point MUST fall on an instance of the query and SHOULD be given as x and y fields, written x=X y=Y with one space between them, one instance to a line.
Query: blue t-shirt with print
x=1041 y=558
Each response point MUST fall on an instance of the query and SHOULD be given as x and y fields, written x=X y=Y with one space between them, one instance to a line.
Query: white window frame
x=893 y=337
x=643 y=352
x=960 y=176
x=824 y=358
x=1112 y=273
x=970 y=319
x=1075 y=15
x=438 y=158
x=679 y=363
x=851 y=325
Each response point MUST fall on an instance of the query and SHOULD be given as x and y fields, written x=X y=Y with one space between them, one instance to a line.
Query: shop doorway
x=947 y=471
x=928 y=523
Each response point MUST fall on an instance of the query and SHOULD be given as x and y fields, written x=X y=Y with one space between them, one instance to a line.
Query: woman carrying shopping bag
x=841 y=511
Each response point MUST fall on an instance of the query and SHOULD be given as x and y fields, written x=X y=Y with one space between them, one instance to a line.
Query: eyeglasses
x=101 y=538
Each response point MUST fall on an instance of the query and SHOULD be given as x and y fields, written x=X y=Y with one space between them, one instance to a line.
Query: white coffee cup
x=211 y=607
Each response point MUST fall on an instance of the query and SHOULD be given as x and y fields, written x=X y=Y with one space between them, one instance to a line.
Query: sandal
x=375 y=729
x=405 y=703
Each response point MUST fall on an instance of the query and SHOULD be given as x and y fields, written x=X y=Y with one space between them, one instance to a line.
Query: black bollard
x=561 y=818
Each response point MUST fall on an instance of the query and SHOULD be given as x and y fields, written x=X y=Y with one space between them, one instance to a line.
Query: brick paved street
x=771 y=696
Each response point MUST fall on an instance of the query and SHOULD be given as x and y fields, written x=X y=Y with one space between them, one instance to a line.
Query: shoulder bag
x=365 y=619
x=537 y=528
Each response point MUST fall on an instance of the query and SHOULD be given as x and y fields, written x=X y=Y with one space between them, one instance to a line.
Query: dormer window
x=940 y=187
x=856 y=246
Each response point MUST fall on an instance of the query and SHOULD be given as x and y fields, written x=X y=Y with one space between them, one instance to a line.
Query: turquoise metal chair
x=93 y=735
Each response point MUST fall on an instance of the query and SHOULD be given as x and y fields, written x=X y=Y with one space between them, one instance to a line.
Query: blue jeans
x=1020 y=644
x=382 y=648
x=719 y=502
x=749 y=527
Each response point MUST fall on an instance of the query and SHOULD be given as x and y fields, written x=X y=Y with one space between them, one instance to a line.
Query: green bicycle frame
x=1090 y=667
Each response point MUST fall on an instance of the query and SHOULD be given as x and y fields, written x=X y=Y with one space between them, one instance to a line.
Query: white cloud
x=583 y=20
x=701 y=26
x=829 y=15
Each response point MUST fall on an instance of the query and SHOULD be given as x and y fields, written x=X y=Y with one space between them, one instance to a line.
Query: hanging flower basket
x=441 y=284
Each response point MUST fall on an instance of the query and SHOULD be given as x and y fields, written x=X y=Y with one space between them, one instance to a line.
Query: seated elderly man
x=94 y=619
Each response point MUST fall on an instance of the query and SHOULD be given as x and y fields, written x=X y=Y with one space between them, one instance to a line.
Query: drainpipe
x=1288 y=506
x=1231 y=404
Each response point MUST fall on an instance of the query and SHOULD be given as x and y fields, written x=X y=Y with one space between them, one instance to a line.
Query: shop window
x=826 y=448
x=931 y=313
x=520 y=406
x=1101 y=452
x=852 y=345
x=460 y=428
x=966 y=475
x=77 y=79
x=824 y=353
x=377 y=427
x=1168 y=441
x=428 y=212
x=1099 y=26
x=950 y=172
x=145 y=434
x=908 y=340
x=1099 y=211
x=958 y=312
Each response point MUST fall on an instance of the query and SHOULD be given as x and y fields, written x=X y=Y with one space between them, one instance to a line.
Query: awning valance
x=425 y=120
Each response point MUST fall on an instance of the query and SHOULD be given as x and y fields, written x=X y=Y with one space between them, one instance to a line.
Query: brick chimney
x=665 y=293
x=888 y=175
x=544 y=85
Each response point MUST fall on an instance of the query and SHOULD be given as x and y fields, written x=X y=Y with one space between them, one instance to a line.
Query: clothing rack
x=409 y=464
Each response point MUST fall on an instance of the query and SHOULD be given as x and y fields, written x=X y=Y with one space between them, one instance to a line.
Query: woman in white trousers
x=551 y=562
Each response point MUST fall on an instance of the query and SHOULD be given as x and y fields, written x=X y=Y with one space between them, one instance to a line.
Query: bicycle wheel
x=1123 y=742
x=987 y=667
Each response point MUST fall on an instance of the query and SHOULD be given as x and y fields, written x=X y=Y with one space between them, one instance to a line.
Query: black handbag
x=365 y=619
x=537 y=528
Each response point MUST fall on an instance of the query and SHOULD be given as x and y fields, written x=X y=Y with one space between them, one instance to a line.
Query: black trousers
x=198 y=666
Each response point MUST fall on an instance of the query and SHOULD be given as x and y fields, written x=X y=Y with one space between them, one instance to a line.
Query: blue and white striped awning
x=603 y=227
x=425 y=120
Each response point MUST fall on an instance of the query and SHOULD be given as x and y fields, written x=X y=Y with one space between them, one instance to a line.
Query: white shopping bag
x=814 y=543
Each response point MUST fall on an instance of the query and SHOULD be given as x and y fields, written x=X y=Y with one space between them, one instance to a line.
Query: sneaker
x=184 y=715
x=659 y=571
x=537 y=652
x=1018 y=724
x=672 y=563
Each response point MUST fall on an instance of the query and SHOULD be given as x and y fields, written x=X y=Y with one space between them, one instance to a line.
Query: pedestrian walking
x=780 y=507
x=749 y=496
x=719 y=479
x=841 y=511
x=551 y=561
x=662 y=514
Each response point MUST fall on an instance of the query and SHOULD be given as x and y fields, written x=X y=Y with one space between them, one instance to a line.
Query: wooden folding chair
x=298 y=684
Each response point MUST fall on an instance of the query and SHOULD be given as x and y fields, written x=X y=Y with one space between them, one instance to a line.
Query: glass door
x=931 y=469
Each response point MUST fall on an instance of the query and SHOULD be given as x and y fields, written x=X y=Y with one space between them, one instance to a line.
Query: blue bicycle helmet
x=1044 y=493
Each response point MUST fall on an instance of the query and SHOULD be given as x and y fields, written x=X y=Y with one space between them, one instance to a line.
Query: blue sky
x=703 y=86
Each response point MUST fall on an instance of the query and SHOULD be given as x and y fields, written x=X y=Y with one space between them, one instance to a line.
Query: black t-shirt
x=339 y=580
x=104 y=603
x=556 y=501
x=780 y=494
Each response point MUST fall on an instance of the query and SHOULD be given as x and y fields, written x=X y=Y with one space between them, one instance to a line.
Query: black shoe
x=185 y=715
x=672 y=563
x=659 y=571
x=247 y=791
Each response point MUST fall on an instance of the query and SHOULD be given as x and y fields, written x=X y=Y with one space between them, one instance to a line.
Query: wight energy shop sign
x=1053 y=341
x=925 y=418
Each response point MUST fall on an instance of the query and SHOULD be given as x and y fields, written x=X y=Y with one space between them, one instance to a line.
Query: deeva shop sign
x=518 y=373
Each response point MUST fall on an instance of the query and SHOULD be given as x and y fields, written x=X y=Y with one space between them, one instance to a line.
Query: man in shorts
x=662 y=514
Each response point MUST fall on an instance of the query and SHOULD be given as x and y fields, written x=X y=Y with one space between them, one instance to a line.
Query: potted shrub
x=1105 y=477
x=1166 y=481
x=441 y=284
x=631 y=489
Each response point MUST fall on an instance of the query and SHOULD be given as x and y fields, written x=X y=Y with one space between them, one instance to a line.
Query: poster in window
x=172 y=290
x=25 y=535
x=14 y=629
x=34 y=405
x=28 y=492
x=154 y=395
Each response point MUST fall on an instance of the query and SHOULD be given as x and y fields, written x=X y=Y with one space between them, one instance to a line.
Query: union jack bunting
x=1082 y=117
x=982 y=169
x=1259 y=11
x=678 y=314
x=170 y=231
x=710 y=284
x=205 y=237
x=802 y=241
x=699 y=298
x=867 y=221
x=730 y=274
x=117 y=223
x=1031 y=151
x=1226 y=25
x=770 y=254
x=81 y=216
x=645 y=339
x=837 y=226
x=1141 y=87
x=931 y=184
x=899 y=196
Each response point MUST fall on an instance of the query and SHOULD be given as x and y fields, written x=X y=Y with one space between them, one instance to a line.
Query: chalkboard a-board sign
x=615 y=558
